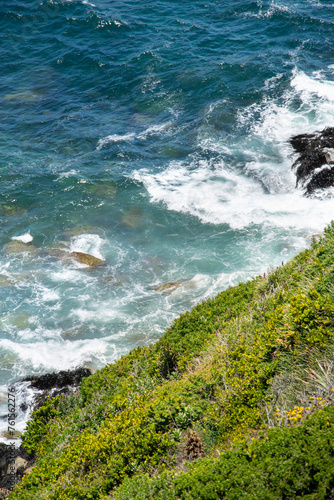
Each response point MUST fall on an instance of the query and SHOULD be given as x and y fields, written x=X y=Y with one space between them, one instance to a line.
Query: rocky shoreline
x=314 y=167
x=15 y=462
x=56 y=383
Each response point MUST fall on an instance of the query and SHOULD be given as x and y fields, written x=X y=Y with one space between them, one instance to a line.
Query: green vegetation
x=286 y=463
x=235 y=400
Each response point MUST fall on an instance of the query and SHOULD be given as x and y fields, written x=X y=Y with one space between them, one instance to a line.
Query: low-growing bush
x=290 y=463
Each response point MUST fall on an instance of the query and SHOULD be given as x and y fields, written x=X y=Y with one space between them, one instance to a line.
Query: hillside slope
x=235 y=400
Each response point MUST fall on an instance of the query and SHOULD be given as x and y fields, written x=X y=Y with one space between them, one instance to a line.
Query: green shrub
x=285 y=464
x=39 y=424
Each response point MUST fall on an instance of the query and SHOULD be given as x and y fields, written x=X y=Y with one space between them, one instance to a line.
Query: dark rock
x=321 y=180
x=308 y=162
x=24 y=406
x=59 y=379
x=14 y=462
x=55 y=384
x=314 y=167
x=300 y=142
x=40 y=399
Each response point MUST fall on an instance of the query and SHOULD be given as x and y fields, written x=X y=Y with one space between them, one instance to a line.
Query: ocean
x=153 y=136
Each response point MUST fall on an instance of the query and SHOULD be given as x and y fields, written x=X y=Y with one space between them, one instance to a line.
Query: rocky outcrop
x=314 y=166
x=54 y=384
x=87 y=259
x=14 y=463
x=58 y=379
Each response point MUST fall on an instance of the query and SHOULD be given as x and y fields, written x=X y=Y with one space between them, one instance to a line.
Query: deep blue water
x=153 y=135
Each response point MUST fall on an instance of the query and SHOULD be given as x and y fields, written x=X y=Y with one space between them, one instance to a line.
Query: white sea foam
x=153 y=130
x=67 y=275
x=25 y=238
x=269 y=12
x=279 y=119
x=222 y=197
x=115 y=138
x=48 y=295
x=85 y=2
x=51 y=354
x=309 y=86
x=66 y=175
x=54 y=353
x=87 y=243
x=225 y=280
x=262 y=191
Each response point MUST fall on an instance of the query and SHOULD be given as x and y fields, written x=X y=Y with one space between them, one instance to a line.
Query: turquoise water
x=152 y=136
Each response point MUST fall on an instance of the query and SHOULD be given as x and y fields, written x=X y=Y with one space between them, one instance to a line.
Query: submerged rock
x=106 y=190
x=112 y=281
x=20 y=320
x=10 y=210
x=314 y=167
x=82 y=229
x=133 y=218
x=15 y=247
x=169 y=287
x=24 y=96
x=80 y=257
x=57 y=252
x=87 y=259
x=4 y=281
